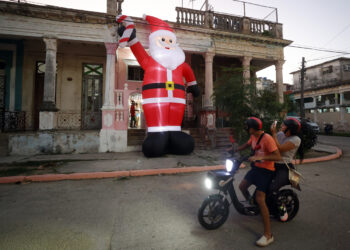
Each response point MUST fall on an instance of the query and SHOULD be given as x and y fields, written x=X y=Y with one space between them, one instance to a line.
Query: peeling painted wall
x=54 y=143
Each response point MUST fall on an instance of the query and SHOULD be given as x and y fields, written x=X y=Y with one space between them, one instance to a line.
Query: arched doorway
x=136 y=118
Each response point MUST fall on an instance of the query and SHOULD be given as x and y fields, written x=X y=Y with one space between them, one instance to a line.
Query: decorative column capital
x=246 y=60
x=209 y=56
x=51 y=43
x=279 y=64
x=111 y=48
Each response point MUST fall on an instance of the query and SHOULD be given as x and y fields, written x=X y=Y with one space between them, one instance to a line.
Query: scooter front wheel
x=214 y=212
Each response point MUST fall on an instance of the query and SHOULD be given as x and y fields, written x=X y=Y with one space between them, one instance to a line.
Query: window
x=347 y=110
x=327 y=70
x=319 y=110
x=93 y=69
x=331 y=110
x=337 y=109
x=346 y=67
x=135 y=73
x=308 y=99
x=325 y=110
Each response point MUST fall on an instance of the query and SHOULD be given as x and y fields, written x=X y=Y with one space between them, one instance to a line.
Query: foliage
x=232 y=97
x=242 y=100
x=307 y=135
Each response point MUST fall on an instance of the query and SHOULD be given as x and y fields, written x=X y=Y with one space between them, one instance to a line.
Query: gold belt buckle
x=169 y=85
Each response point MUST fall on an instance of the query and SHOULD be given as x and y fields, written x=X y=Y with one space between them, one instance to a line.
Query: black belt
x=167 y=85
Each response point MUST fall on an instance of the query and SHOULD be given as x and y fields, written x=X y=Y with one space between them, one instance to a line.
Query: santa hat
x=159 y=27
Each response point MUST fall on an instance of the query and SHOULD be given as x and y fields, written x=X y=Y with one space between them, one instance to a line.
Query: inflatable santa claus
x=163 y=89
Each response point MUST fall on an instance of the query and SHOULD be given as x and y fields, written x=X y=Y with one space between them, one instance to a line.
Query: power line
x=318 y=49
x=341 y=32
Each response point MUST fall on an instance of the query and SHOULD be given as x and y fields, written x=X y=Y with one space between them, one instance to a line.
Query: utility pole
x=302 y=76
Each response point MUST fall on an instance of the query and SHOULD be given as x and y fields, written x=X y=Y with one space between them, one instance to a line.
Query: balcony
x=225 y=22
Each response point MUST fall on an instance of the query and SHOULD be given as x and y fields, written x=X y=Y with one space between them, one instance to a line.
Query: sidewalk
x=109 y=165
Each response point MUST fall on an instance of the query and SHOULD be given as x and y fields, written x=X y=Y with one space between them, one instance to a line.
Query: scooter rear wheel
x=290 y=199
x=214 y=212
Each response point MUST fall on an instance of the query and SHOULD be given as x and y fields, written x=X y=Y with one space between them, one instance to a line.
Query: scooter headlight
x=208 y=183
x=229 y=165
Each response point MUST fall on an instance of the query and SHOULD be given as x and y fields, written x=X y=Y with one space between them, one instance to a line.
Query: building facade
x=326 y=93
x=61 y=70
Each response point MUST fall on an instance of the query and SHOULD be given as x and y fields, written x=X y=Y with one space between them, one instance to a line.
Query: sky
x=312 y=23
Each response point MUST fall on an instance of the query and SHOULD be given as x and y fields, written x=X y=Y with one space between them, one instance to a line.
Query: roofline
x=316 y=65
x=105 y=18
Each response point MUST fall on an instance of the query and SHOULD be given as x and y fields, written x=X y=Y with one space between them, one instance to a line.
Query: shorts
x=260 y=177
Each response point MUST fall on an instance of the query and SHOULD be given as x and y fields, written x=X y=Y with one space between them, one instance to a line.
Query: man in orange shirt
x=265 y=151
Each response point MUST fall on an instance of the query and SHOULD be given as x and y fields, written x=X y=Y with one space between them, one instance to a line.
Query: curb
x=102 y=175
x=338 y=153
x=135 y=173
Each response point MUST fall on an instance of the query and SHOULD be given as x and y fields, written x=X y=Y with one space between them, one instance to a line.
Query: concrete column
x=110 y=138
x=279 y=79
x=342 y=109
x=48 y=110
x=208 y=101
x=208 y=111
x=50 y=75
x=112 y=7
x=246 y=69
x=315 y=113
x=110 y=76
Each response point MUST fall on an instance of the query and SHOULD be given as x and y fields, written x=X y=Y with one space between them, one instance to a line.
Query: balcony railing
x=226 y=22
x=11 y=121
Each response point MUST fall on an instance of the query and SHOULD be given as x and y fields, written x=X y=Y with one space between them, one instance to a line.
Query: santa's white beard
x=169 y=59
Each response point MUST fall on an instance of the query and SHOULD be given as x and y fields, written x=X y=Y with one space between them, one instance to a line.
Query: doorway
x=92 y=96
x=38 y=92
x=136 y=117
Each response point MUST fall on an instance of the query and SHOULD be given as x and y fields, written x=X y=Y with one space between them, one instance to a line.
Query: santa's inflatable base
x=160 y=143
x=163 y=88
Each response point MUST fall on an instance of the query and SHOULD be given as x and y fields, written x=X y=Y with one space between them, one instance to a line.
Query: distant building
x=263 y=83
x=326 y=93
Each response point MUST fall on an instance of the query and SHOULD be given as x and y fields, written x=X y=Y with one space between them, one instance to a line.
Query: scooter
x=214 y=210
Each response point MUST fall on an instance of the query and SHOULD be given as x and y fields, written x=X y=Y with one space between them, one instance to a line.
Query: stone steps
x=136 y=136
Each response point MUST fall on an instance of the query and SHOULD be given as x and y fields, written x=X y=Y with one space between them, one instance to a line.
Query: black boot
x=155 y=144
x=180 y=143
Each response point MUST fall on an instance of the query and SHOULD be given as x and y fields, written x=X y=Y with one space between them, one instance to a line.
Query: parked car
x=313 y=125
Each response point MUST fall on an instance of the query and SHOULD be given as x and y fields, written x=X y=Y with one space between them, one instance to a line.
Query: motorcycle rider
x=289 y=144
x=264 y=150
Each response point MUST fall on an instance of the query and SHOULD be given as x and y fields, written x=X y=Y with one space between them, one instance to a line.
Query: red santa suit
x=163 y=89
x=163 y=92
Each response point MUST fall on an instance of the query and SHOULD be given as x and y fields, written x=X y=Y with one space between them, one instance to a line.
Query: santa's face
x=165 y=50
x=165 y=42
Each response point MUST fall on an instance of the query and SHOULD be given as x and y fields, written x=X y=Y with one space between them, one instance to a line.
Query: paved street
x=160 y=213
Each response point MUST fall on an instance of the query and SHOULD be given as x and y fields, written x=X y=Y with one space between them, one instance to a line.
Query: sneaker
x=283 y=213
x=263 y=241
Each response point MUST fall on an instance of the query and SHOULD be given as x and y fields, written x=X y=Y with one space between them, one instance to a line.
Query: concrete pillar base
x=47 y=120
x=208 y=117
x=113 y=141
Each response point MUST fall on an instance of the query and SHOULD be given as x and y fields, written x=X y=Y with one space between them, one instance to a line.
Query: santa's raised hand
x=126 y=31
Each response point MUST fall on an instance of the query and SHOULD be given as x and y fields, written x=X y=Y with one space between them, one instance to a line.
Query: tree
x=241 y=100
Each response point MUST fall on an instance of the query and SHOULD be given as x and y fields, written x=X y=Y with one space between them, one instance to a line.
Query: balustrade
x=226 y=22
